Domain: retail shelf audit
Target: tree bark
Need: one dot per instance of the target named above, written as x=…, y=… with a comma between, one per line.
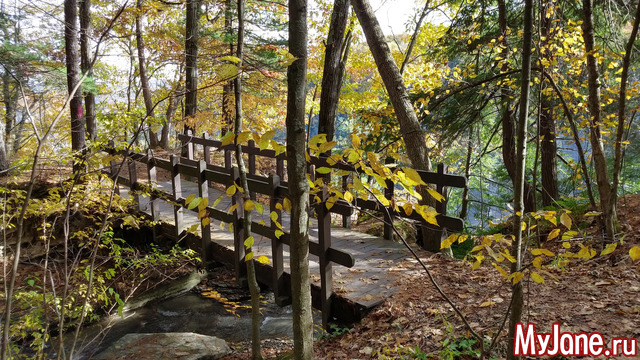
x=548, y=144
x=85, y=64
x=622, y=108
x=412, y=133
x=227, y=87
x=608, y=208
x=73, y=77
x=10, y=98
x=414, y=37
x=144, y=79
x=519, y=188
x=298, y=186
x=191, y=63
x=331, y=84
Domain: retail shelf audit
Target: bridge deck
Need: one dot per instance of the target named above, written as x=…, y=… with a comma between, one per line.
x=366, y=284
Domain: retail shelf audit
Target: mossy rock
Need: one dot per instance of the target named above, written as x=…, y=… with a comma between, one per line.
x=406, y=229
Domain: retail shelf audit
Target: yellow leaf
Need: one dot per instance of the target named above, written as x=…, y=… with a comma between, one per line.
x=264, y=139
x=413, y=176
x=249, y=205
x=233, y=59
x=506, y=254
x=569, y=235
x=227, y=139
x=634, y=253
x=408, y=208
x=203, y=204
x=478, y=261
x=320, y=138
x=487, y=303
x=553, y=234
x=355, y=141
x=206, y=221
x=286, y=203
x=249, y=256
x=233, y=207
x=500, y=270
x=278, y=233
x=249, y=242
x=263, y=259
x=537, y=278
x=348, y=197
x=189, y=199
x=608, y=249
x=243, y=137
x=593, y=213
x=436, y=195
x=259, y=207
x=566, y=245
x=546, y=252
x=462, y=239
x=227, y=71
x=448, y=241
x=326, y=146
x=323, y=170
x=565, y=220
x=537, y=262
x=516, y=277
x=231, y=190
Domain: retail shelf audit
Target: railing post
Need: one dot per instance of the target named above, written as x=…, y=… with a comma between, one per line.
x=238, y=228
x=280, y=167
x=441, y=206
x=326, y=268
x=206, y=149
x=227, y=159
x=388, y=219
x=176, y=187
x=133, y=181
x=154, y=203
x=190, y=146
x=203, y=192
x=280, y=292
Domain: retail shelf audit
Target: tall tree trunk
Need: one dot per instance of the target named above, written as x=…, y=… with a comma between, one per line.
x=144, y=79
x=227, y=87
x=174, y=100
x=73, y=77
x=10, y=98
x=521, y=151
x=608, y=208
x=191, y=63
x=467, y=174
x=548, y=145
x=412, y=133
x=254, y=288
x=85, y=64
x=331, y=75
x=622, y=109
x=508, y=136
x=298, y=186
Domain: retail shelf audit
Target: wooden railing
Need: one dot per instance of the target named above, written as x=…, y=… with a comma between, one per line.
x=275, y=189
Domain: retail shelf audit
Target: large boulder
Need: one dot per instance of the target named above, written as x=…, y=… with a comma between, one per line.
x=182, y=346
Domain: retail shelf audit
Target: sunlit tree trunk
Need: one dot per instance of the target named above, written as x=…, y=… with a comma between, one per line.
x=298, y=186
x=85, y=64
x=144, y=78
x=607, y=206
x=227, y=88
x=73, y=77
x=191, y=63
x=519, y=188
x=331, y=83
x=548, y=144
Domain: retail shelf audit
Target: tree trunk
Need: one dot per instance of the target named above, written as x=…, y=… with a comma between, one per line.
x=227, y=87
x=4, y=162
x=467, y=174
x=85, y=64
x=331, y=84
x=174, y=100
x=298, y=186
x=519, y=188
x=622, y=104
x=410, y=128
x=191, y=63
x=508, y=136
x=10, y=98
x=144, y=79
x=608, y=208
x=414, y=37
x=73, y=77
x=548, y=145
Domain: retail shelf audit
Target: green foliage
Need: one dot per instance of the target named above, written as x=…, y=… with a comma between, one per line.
x=335, y=330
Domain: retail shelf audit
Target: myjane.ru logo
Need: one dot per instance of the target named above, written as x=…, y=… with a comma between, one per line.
x=528, y=342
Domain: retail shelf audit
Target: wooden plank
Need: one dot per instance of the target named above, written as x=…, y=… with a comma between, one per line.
x=154, y=201
x=326, y=268
x=281, y=293
x=133, y=178
x=176, y=187
x=203, y=192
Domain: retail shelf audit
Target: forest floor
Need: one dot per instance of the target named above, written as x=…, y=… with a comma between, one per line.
x=599, y=295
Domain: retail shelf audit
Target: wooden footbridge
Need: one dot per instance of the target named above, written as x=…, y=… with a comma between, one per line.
x=363, y=278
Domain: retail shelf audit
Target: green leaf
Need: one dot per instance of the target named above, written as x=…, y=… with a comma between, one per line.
x=249, y=256
x=249, y=242
x=259, y=207
x=32, y=282
x=193, y=204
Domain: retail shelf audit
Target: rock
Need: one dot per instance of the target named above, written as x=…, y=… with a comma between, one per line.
x=182, y=346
